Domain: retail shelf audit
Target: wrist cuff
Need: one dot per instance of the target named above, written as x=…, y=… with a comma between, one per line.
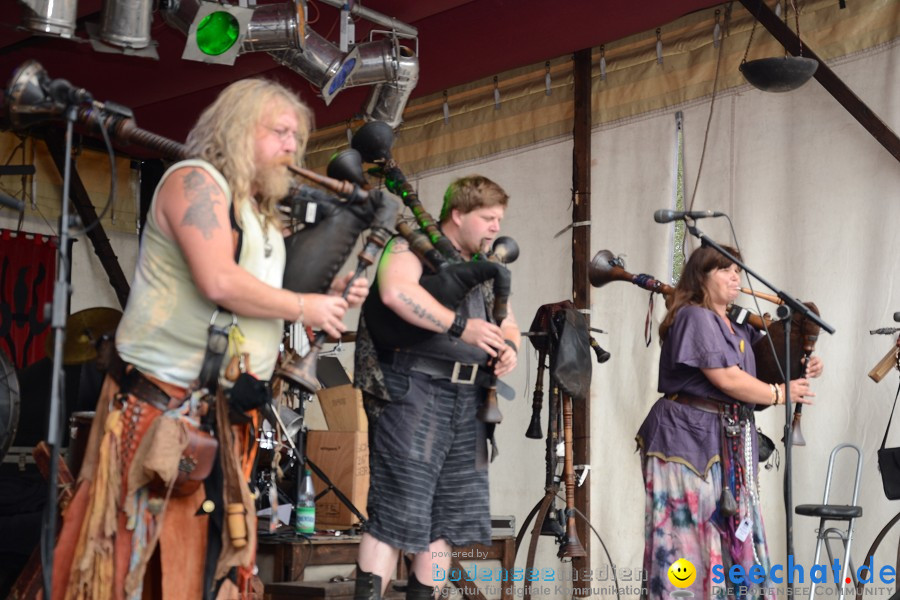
x=459, y=324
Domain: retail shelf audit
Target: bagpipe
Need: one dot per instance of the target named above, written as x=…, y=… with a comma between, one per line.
x=769, y=353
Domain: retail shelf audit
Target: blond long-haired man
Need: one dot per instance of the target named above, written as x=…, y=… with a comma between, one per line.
x=212, y=243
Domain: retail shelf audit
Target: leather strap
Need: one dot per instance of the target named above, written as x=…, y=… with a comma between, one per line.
x=704, y=404
x=135, y=383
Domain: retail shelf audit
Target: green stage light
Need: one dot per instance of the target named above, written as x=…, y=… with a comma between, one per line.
x=217, y=32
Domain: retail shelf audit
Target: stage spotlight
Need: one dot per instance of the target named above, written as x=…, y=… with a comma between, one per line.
x=276, y=27
x=51, y=17
x=216, y=33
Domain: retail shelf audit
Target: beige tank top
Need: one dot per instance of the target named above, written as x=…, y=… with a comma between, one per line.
x=164, y=329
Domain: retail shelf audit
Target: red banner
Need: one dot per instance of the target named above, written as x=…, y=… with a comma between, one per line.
x=27, y=274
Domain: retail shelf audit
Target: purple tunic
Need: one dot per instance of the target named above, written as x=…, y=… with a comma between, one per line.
x=698, y=339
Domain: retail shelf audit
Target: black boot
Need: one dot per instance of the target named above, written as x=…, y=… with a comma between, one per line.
x=418, y=591
x=368, y=585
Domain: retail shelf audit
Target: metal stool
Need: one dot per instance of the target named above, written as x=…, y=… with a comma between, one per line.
x=835, y=512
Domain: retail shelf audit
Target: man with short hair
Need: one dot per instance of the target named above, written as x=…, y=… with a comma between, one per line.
x=428, y=450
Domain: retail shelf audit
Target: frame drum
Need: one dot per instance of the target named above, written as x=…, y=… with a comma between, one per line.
x=9, y=404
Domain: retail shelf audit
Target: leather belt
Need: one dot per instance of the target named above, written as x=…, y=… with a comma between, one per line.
x=437, y=368
x=705, y=404
x=135, y=383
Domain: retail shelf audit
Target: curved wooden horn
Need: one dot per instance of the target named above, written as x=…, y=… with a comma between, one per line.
x=606, y=267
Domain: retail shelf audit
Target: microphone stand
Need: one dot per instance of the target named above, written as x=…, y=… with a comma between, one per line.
x=784, y=312
x=59, y=311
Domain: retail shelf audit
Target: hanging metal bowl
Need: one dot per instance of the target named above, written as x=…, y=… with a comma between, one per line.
x=781, y=74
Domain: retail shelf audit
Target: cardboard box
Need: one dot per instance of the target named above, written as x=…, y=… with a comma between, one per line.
x=343, y=457
x=343, y=408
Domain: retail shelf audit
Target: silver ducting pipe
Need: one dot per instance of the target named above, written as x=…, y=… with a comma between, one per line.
x=387, y=100
x=51, y=17
x=126, y=23
x=317, y=63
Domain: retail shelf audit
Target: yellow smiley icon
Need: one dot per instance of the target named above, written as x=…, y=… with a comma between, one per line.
x=682, y=573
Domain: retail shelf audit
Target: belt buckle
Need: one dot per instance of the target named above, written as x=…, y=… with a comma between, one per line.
x=455, y=378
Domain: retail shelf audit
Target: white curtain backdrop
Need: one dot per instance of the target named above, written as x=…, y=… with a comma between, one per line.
x=814, y=201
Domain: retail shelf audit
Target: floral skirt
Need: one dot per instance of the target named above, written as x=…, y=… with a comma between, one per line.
x=682, y=521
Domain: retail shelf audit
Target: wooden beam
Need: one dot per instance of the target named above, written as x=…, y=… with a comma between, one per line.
x=82, y=202
x=825, y=76
x=581, y=289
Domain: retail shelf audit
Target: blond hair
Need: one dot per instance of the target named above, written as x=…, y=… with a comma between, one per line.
x=469, y=193
x=224, y=134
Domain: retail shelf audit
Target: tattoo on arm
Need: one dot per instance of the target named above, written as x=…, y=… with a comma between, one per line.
x=399, y=246
x=200, y=195
x=420, y=312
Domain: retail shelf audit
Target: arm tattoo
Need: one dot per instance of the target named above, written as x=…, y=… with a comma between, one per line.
x=420, y=312
x=200, y=194
x=399, y=246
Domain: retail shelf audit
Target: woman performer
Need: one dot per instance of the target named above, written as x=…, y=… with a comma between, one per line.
x=698, y=443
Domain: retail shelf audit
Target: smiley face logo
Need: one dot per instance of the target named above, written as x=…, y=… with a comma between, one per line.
x=682, y=573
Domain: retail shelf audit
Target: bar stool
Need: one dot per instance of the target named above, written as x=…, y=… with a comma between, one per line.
x=835, y=512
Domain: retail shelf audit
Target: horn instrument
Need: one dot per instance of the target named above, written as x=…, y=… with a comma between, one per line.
x=891, y=360
x=534, y=427
x=606, y=267
x=505, y=250
x=571, y=546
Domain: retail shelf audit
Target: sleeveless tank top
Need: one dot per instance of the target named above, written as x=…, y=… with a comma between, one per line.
x=164, y=329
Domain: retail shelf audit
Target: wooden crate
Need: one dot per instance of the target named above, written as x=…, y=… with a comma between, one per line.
x=343, y=456
x=343, y=408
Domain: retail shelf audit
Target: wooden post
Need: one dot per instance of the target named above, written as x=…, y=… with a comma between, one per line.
x=581, y=290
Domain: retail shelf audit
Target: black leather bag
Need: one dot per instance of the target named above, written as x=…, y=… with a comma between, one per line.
x=570, y=365
x=765, y=445
x=889, y=462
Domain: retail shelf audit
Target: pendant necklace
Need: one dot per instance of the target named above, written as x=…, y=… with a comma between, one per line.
x=267, y=244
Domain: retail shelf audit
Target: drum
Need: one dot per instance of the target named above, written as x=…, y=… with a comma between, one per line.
x=9, y=404
x=79, y=432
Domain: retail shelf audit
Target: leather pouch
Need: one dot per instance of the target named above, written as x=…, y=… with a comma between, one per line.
x=194, y=463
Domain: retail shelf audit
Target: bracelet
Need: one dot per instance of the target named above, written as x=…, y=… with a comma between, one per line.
x=773, y=389
x=299, y=318
x=778, y=398
x=511, y=345
x=459, y=324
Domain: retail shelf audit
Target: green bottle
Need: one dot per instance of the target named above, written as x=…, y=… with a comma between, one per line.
x=305, y=522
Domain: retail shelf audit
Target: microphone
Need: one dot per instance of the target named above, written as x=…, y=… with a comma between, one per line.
x=664, y=215
x=10, y=202
x=65, y=93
